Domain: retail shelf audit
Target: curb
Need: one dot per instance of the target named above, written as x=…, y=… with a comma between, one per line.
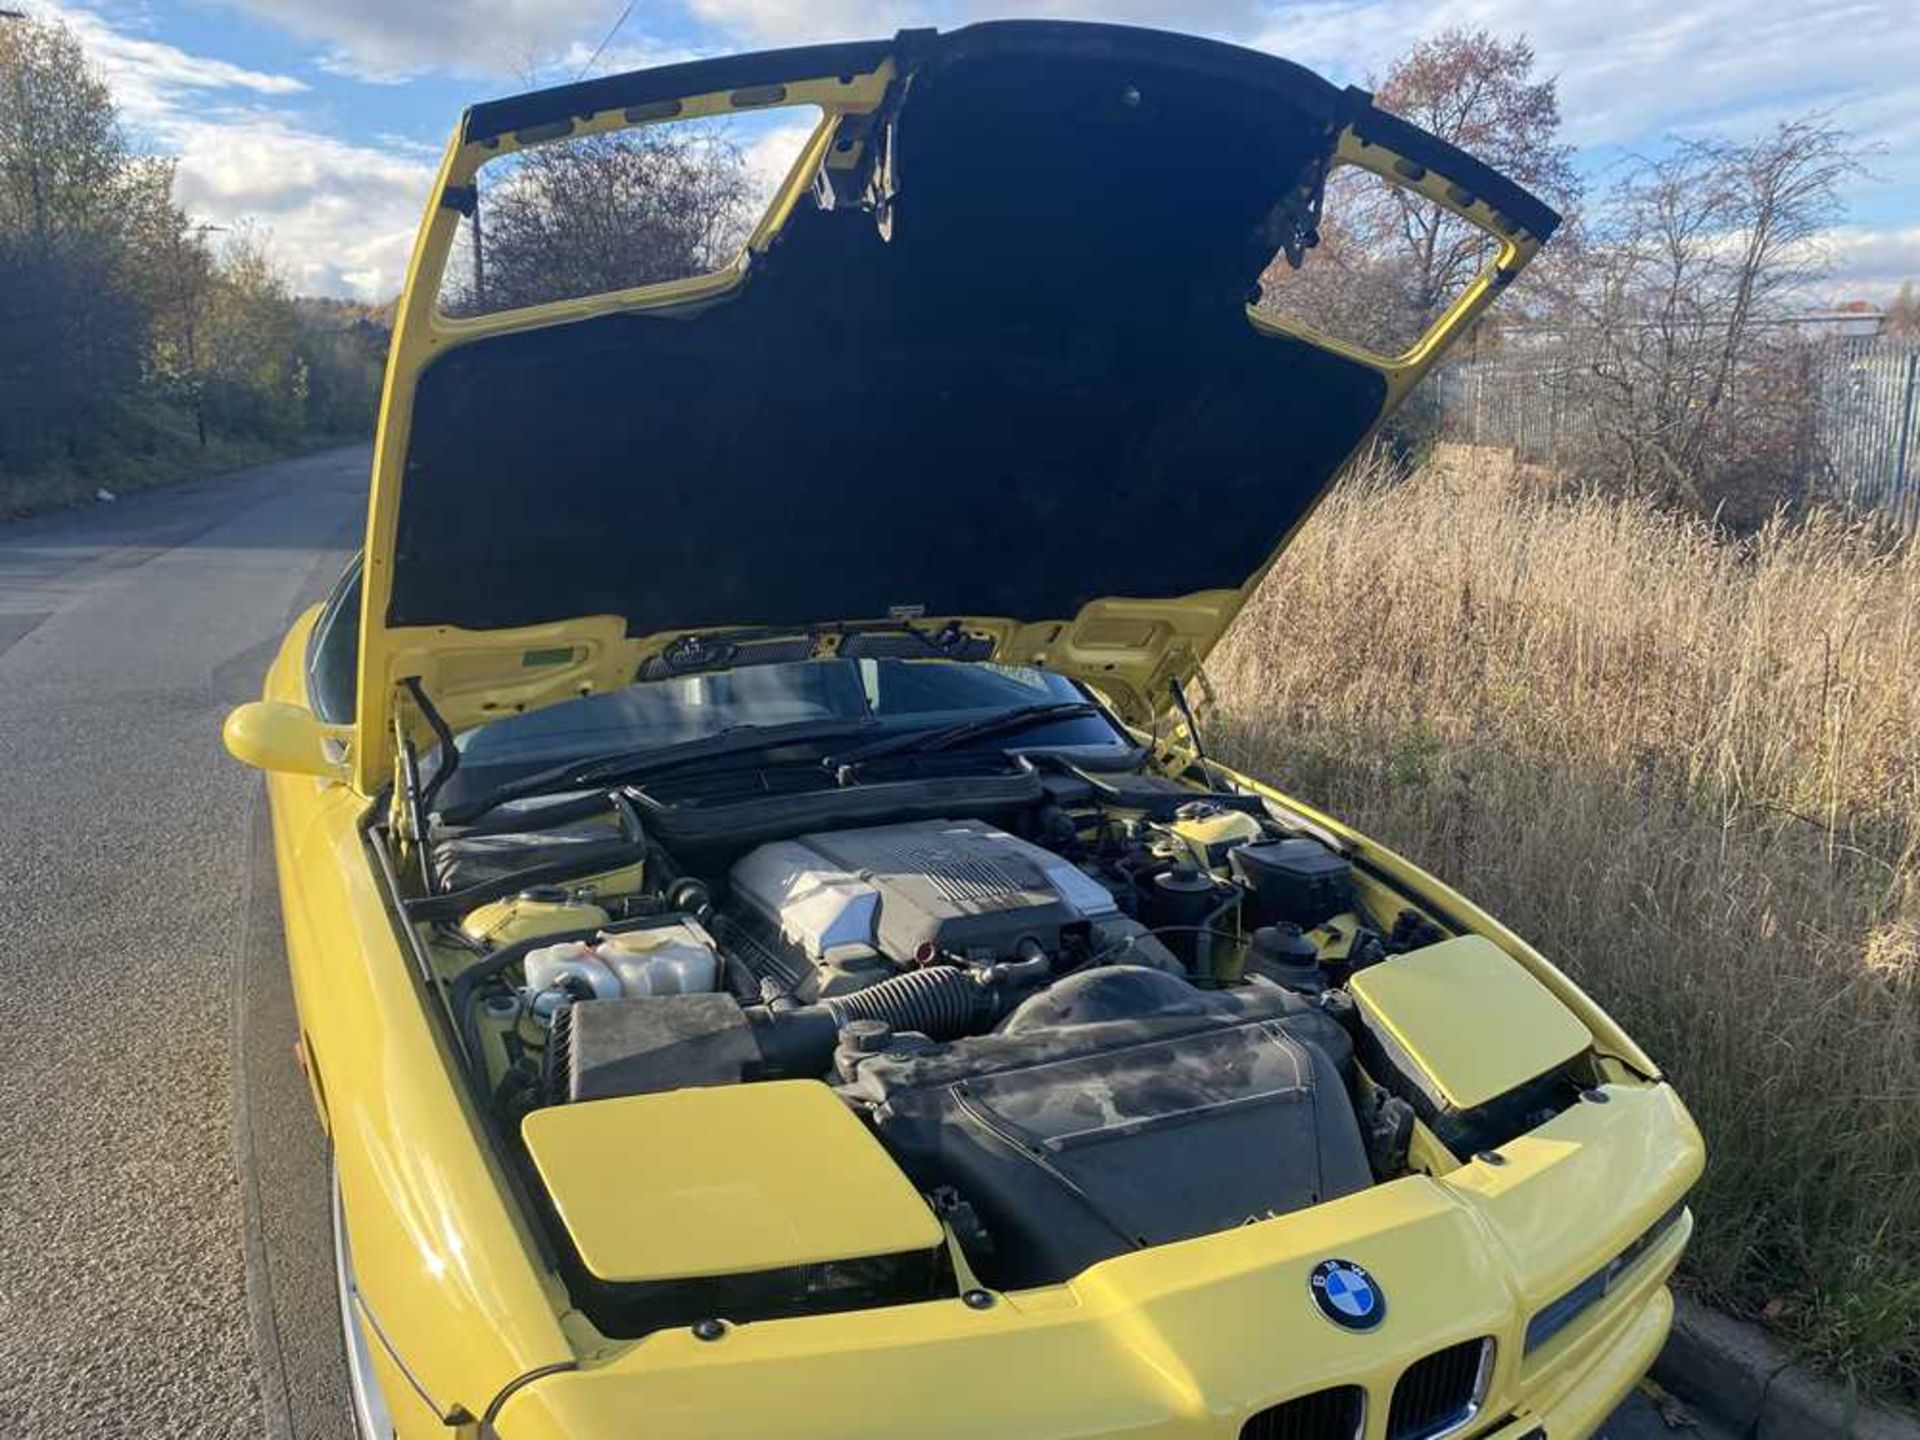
x=1737, y=1374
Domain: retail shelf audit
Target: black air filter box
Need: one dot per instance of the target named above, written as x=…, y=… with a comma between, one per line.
x=1298, y=880
x=660, y=1042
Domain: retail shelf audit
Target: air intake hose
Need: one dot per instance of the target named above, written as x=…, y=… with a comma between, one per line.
x=943, y=1003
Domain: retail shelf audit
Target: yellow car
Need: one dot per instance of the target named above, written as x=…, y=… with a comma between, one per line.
x=773, y=955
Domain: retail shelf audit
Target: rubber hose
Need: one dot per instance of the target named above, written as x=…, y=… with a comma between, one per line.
x=944, y=1003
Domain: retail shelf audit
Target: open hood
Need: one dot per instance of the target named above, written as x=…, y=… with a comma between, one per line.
x=985, y=381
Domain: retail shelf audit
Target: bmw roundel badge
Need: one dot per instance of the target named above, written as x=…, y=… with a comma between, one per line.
x=1347, y=1295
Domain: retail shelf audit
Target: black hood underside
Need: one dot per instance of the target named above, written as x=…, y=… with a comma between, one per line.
x=1036, y=386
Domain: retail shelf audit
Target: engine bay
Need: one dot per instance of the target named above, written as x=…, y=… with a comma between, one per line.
x=1080, y=1013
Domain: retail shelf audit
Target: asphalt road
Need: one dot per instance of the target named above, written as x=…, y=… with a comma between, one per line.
x=163, y=1260
x=126, y=631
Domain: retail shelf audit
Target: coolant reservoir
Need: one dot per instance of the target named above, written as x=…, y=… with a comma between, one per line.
x=571, y=961
x=673, y=958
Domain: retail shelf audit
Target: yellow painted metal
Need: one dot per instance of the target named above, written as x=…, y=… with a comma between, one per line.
x=444, y=1259
x=1470, y=1017
x=723, y=1181
x=1176, y=1341
x=1334, y=940
x=1516, y=250
x=1384, y=874
x=492, y=677
x=610, y=883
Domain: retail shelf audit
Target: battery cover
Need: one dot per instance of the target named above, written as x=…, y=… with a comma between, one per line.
x=1468, y=1019
x=723, y=1180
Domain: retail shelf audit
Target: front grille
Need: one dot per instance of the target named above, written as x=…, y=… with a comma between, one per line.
x=1439, y=1393
x=1324, y=1415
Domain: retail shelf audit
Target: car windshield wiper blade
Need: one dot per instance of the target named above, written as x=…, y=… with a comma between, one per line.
x=590, y=770
x=945, y=737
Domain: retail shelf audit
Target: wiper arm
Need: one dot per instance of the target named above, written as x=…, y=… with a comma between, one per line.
x=632, y=764
x=945, y=737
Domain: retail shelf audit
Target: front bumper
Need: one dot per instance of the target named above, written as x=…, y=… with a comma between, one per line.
x=1593, y=1391
x=1192, y=1340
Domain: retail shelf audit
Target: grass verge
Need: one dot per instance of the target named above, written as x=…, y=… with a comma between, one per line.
x=154, y=448
x=1689, y=771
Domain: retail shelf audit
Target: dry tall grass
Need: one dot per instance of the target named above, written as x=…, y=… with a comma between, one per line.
x=1687, y=770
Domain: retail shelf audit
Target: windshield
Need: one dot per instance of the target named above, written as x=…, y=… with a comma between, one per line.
x=895, y=695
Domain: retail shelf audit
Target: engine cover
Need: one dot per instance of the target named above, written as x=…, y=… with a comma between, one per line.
x=1121, y=1109
x=852, y=899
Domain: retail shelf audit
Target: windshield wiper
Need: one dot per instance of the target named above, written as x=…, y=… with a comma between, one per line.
x=945, y=737
x=583, y=773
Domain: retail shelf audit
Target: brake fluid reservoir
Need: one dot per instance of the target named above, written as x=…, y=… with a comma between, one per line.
x=673, y=958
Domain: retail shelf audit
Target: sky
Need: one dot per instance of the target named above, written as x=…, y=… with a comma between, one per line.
x=319, y=122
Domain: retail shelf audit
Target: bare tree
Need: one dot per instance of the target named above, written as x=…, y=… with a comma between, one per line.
x=1389, y=261
x=1692, y=379
x=1480, y=93
x=606, y=213
x=173, y=271
x=1903, y=315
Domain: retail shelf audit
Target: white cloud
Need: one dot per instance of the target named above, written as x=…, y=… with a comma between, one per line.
x=1871, y=264
x=1636, y=68
x=339, y=217
x=1629, y=70
x=149, y=78
x=801, y=22
x=579, y=60
x=384, y=41
x=770, y=156
x=342, y=214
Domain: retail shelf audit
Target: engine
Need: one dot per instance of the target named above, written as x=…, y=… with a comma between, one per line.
x=1128, y=1025
x=984, y=1000
x=837, y=911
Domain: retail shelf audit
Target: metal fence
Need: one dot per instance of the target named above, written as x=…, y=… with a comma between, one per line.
x=1523, y=404
x=1867, y=404
x=1870, y=424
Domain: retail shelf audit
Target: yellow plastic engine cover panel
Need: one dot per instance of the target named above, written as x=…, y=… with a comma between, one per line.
x=723, y=1180
x=1470, y=1016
